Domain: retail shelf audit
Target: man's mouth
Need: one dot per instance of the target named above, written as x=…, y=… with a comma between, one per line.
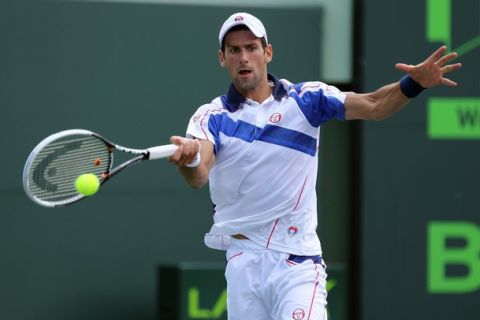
x=244, y=72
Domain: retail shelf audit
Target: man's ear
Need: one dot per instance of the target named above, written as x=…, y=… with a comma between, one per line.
x=221, y=58
x=268, y=53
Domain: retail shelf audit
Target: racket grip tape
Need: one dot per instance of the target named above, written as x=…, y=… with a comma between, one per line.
x=161, y=151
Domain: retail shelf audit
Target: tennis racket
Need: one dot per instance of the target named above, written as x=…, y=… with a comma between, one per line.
x=55, y=163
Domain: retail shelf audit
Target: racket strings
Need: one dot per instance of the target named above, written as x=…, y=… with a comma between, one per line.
x=54, y=170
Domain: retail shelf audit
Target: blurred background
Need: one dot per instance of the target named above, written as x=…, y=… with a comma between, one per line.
x=398, y=199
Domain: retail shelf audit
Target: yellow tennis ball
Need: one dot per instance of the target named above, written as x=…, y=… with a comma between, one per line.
x=87, y=184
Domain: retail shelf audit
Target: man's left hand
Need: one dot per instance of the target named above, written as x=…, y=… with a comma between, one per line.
x=430, y=72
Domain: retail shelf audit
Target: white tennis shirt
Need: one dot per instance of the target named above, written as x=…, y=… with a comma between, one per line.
x=263, y=179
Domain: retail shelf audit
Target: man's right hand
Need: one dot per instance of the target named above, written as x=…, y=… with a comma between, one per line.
x=186, y=152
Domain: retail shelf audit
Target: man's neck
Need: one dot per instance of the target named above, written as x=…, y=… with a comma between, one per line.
x=260, y=94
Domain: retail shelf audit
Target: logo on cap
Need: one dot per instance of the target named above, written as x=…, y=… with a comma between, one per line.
x=238, y=18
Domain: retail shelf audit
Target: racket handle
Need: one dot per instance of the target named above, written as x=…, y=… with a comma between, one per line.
x=161, y=151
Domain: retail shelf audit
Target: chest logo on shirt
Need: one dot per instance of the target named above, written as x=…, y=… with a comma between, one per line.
x=276, y=117
x=292, y=231
x=298, y=314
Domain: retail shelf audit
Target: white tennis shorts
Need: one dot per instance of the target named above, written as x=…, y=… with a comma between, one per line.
x=268, y=285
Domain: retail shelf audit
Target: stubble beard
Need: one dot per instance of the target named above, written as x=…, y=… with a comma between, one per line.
x=248, y=85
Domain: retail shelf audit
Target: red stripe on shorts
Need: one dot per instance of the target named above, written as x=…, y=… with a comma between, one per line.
x=234, y=256
x=314, y=293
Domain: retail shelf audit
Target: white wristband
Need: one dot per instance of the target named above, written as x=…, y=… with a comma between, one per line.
x=195, y=162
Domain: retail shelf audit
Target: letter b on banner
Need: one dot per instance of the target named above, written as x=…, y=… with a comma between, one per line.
x=441, y=255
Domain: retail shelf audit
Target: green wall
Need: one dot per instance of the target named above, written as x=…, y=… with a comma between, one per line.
x=134, y=73
x=420, y=213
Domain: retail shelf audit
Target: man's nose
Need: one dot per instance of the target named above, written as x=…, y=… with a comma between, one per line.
x=243, y=55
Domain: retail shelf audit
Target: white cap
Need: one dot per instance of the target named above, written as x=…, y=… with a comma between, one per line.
x=243, y=18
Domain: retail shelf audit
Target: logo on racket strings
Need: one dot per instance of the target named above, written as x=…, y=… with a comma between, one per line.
x=42, y=169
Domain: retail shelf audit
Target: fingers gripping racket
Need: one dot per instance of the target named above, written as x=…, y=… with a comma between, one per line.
x=54, y=164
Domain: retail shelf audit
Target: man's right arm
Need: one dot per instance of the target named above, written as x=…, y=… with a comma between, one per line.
x=196, y=176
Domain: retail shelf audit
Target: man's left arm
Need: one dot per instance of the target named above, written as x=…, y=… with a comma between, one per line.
x=389, y=99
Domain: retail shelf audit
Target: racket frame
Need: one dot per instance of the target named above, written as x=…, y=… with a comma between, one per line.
x=141, y=154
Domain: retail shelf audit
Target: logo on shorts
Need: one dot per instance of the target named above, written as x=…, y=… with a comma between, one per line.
x=292, y=231
x=298, y=314
x=276, y=117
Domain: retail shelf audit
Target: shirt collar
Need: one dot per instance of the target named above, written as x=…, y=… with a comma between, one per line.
x=233, y=99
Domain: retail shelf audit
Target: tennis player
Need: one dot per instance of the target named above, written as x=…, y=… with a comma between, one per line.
x=257, y=146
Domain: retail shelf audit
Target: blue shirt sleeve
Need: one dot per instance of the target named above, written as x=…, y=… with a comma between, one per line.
x=319, y=102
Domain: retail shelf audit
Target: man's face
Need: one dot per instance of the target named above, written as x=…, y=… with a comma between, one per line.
x=245, y=60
